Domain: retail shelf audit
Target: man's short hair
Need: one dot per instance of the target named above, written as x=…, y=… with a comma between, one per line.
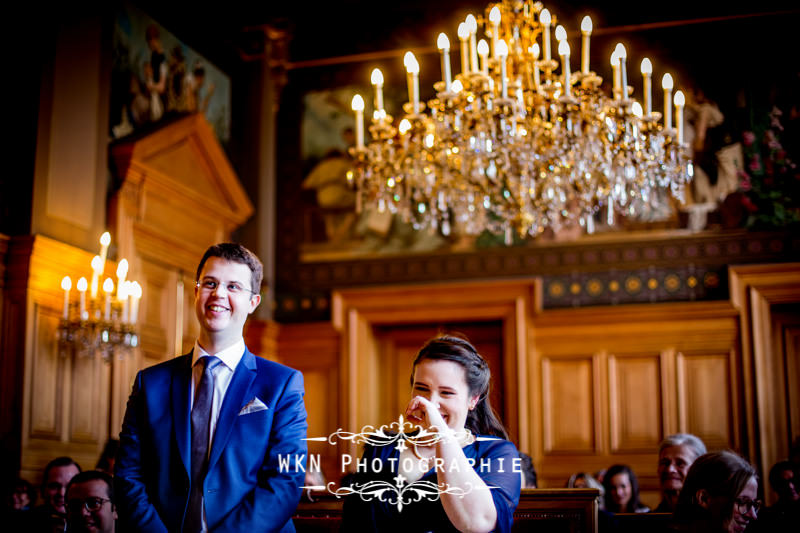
x=232, y=251
x=684, y=439
x=58, y=461
x=91, y=475
x=526, y=464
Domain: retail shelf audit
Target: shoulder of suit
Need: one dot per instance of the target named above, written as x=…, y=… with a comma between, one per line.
x=168, y=365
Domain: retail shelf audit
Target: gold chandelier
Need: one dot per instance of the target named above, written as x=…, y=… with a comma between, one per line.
x=517, y=142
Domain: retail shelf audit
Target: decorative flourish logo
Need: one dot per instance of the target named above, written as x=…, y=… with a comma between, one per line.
x=400, y=493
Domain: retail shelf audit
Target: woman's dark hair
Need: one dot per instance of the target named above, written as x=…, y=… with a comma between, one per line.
x=722, y=475
x=634, y=502
x=481, y=420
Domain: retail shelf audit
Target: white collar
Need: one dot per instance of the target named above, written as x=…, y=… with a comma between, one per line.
x=230, y=355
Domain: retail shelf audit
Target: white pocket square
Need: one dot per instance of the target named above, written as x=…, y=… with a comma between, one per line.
x=255, y=405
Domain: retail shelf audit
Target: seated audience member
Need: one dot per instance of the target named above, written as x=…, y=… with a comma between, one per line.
x=52, y=514
x=675, y=455
x=784, y=515
x=622, y=491
x=528, y=472
x=19, y=497
x=90, y=503
x=718, y=494
x=584, y=480
x=450, y=400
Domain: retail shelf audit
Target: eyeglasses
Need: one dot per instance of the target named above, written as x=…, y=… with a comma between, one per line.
x=208, y=285
x=743, y=505
x=90, y=504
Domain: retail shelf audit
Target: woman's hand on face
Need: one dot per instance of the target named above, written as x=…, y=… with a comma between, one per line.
x=425, y=413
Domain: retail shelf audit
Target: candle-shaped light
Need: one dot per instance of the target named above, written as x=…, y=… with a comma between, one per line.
x=97, y=269
x=586, y=32
x=561, y=34
x=666, y=84
x=472, y=27
x=680, y=101
x=463, y=36
x=358, y=106
x=502, y=53
x=494, y=19
x=122, y=273
x=534, y=50
x=444, y=46
x=483, y=52
x=457, y=86
x=108, y=288
x=615, y=73
x=412, y=67
x=647, y=77
x=123, y=295
x=563, y=51
x=545, y=19
x=105, y=240
x=82, y=286
x=404, y=126
x=136, y=294
x=636, y=109
x=377, y=80
x=66, y=284
x=622, y=55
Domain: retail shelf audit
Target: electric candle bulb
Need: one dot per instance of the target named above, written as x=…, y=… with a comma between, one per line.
x=463, y=36
x=563, y=51
x=443, y=44
x=502, y=53
x=108, y=288
x=623, y=72
x=66, y=284
x=586, y=31
x=97, y=270
x=667, y=84
x=412, y=67
x=82, y=286
x=472, y=27
x=136, y=294
x=615, y=72
x=636, y=109
x=358, y=106
x=545, y=19
x=105, y=240
x=404, y=126
x=457, y=86
x=494, y=18
x=647, y=71
x=377, y=80
x=561, y=33
x=534, y=50
x=483, y=52
x=680, y=101
x=122, y=272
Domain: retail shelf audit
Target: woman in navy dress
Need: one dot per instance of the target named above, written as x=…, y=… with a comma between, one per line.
x=463, y=454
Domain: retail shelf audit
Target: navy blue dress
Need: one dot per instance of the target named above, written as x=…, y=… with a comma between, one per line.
x=428, y=515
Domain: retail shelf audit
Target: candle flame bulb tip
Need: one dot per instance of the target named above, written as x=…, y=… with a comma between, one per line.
x=647, y=66
x=502, y=48
x=443, y=42
x=586, y=24
x=108, y=285
x=561, y=33
x=680, y=99
x=494, y=15
x=66, y=283
x=544, y=17
x=105, y=239
x=377, y=77
x=472, y=23
x=82, y=284
x=620, y=50
x=563, y=48
x=463, y=31
x=483, y=48
x=666, y=81
x=358, y=103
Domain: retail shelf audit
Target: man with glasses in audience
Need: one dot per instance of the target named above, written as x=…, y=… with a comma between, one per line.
x=214, y=440
x=90, y=503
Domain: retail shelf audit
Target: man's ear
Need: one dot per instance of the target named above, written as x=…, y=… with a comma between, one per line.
x=254, y=301
x=702, y=498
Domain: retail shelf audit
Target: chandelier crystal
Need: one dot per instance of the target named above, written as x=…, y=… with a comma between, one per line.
x=517, y=142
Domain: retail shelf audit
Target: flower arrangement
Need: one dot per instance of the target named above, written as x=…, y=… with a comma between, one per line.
x=770, y=181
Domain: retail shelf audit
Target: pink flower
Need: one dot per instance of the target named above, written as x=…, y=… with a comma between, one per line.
x=755, y=164
x=749, y=138
x=744, y=182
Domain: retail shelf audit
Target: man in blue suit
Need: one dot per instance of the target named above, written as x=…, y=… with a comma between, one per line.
x=213, y=440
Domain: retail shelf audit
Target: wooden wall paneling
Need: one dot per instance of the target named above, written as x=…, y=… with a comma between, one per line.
x=47, y=396
x=792, y=350
x=569, y=389
x=313, y=349
x=635, y=402
x=759, y=292
x=706, y=399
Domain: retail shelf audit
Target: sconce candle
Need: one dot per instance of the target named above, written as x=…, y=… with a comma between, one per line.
x=647, y=73
x=97, y=269
x=615, y=73
x=622, y=55
x=136, y=294
x=545, y=19
x=463, y=36
x=108, y=288
x=494, y=18
x=502, y=52
x=358, y=107
x=666, y=84
x=82, y=286
x=680, y=101
x=444, y=45
x=377, y=81
x=412, y=67
x=472, y=27
x=66, y=284
x=535, y=52
x=563, y=51
x=105, y=240
x=483, y=52
x=122, y=272
x=586, y=31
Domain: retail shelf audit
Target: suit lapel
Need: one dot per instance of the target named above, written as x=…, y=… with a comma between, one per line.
x=181, y=380
x=235, y=398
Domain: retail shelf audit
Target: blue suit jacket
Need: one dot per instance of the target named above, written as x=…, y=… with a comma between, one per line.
x=246, y=488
